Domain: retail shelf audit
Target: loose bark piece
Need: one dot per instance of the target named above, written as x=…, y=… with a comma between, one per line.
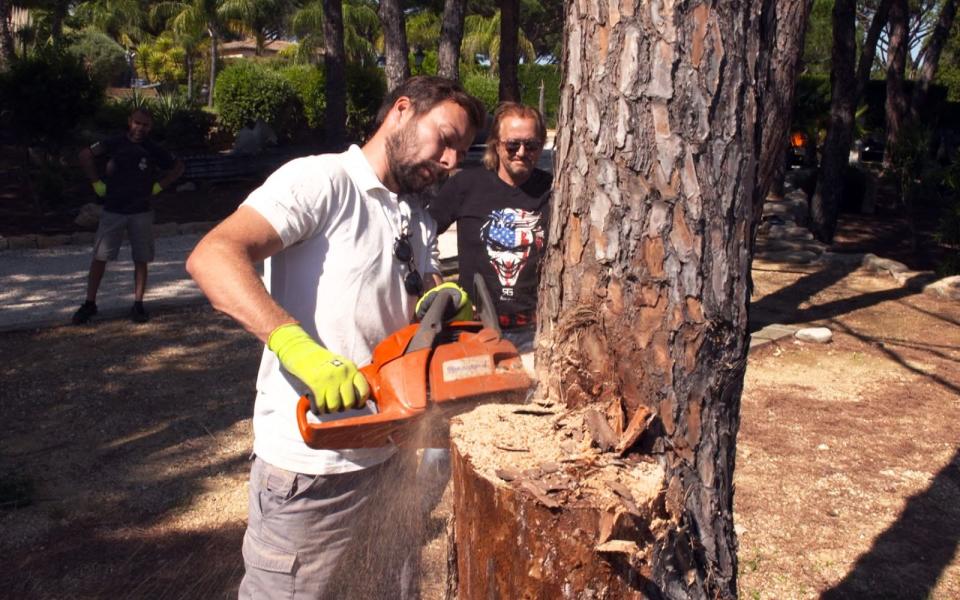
x=539, y=493
x=508, y=474
x=637, y=425
x=535, y=411
x=619, y=547
x=600, y=430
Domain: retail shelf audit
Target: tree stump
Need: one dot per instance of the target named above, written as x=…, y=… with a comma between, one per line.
x=543, y=513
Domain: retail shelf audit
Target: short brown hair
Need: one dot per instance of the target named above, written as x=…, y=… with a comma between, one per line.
x=491, y=160
x=427, y=91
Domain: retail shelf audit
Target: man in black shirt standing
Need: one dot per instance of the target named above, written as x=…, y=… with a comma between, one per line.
x=501, y=214
x=136, y=170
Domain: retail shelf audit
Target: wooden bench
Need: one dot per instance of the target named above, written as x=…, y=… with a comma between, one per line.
x=219, y=167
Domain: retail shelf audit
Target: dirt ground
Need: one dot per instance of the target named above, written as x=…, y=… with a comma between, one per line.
x=124, y=451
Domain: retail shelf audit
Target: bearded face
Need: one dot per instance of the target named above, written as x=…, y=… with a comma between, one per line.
x=410, y=174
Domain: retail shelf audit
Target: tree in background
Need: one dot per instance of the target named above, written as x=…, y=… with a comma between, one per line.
x=190, y=19
x=451, y=36
x=397, y=67
x=122, y=20
x=262, y=19
x=783, y=29
x=335, y=73
x=825, y=204
x=896, y=100
x=7, y=50
x=509, y=52
x=361, y=29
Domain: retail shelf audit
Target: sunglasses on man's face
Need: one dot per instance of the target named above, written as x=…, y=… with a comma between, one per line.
x=403, y=251
x=513, y=146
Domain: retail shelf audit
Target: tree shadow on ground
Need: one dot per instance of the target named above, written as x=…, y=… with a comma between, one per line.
x=783, y=306
x=124, y=430
x=908, y=558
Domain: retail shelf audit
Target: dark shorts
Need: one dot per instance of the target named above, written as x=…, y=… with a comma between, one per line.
x=138, y=228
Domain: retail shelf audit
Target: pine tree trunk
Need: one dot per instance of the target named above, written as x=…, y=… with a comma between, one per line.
x=335, y=69
x=931, y=58
x=394, y=43
x=7, y=51
x=869, y=50
x=642, y=323
x=896, y=105
x=782, y=32
x=825, y=205
x=451, y=36
x=509, y=55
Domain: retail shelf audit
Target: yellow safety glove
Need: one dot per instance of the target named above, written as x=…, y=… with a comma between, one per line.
x=334, y=380
x=99, y=188
x=157, y=188
x=462, y=309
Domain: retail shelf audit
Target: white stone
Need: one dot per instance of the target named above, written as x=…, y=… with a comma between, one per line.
x=948, y=287
x=819, y=335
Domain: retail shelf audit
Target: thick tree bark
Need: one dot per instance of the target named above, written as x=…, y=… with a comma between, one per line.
x=643, y=306
x=896, y=103
x=451, y=36
x=7, y=51
x=869, y=51
x=509, y=52
x=335, y=69
x=394, y=43
x=782, y=30
x=931, y=58
x=825, y=205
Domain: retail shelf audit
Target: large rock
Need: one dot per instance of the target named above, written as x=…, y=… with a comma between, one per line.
x=817, y=335
x=877, y=264
x=948, y=287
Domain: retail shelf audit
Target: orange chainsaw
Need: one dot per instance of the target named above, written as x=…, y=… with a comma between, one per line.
x=427, y=365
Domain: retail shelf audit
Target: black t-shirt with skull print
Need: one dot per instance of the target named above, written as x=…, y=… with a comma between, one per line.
x=501, y=232
x=131, y=170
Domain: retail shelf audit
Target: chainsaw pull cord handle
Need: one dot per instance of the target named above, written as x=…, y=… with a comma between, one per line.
x=484, y=304
x=432, y=322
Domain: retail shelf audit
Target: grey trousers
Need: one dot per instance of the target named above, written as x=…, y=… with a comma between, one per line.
x=352, y=535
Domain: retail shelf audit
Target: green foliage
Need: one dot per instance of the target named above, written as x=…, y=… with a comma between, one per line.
x=811, y=106
x=46, y=95
x=308, y=83
x=105, y=59
x=484, y=87
x=163, y=60
x=247, y=91
x=818, y=42
x=366, y=88
x=530, y=77
x=177, y=121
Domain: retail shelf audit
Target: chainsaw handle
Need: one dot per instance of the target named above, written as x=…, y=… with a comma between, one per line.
x=432, y=322
x=485, y=307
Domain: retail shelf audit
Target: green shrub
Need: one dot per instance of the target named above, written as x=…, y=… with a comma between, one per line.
x=530, y=77
x=484, y=87
x=366, y=88
x=46, y=95
x=308, y=84
x=247, y=91
x=105, y=59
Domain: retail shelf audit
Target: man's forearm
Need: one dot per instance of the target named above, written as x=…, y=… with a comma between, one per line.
x=86, y=163
x=172, y=175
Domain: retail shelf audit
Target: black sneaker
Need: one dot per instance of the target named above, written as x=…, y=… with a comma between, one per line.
x=138, y=314
x=83, y=314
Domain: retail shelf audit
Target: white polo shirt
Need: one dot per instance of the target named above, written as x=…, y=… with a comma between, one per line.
x=336, y=275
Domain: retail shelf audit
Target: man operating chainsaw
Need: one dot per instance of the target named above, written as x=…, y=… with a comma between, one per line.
x=345, y=258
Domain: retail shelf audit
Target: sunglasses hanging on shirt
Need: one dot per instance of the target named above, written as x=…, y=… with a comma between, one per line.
x=403, y=251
